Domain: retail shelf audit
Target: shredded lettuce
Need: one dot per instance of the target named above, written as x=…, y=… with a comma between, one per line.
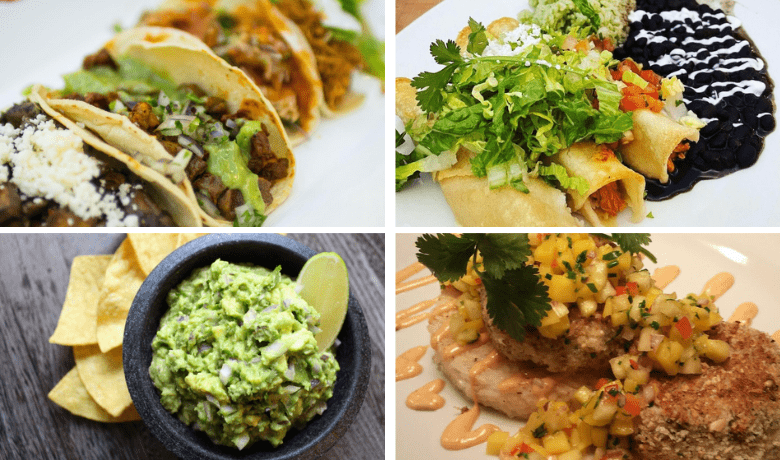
x=512, y=112
x=558, y=172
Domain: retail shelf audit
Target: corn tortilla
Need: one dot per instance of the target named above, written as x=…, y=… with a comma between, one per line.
x=71, y=394
x=151, y=248
x=78, y=321
x=103, y=377
x=123, y=279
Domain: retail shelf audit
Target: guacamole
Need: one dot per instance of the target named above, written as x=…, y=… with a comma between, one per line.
x=607, y=18
x=235, y=355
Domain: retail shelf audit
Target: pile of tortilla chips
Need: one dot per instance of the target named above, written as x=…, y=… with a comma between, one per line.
x=92, y=321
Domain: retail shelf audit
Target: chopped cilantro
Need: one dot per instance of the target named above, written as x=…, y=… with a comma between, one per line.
x=540, y=431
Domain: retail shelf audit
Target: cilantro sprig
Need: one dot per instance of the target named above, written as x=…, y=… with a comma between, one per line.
x=631, y=242
x=516, y=295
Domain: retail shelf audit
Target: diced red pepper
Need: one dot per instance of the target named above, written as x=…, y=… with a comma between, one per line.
x=620, y=290
x=632, y=288
x=633, y=405
x=634, y=364
x=684, y=328
x=522, y=449
x=602, y=381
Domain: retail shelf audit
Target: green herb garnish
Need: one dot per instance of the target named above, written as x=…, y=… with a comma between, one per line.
x=631, y=242
x=516, y=296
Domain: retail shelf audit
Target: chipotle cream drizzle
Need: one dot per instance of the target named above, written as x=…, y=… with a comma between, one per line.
x=456, y=348
x=414, y=284
x=439, y=334
x=665, y=275
x=745, y=312
x=404, y=273
x=718, y=285
x=427, y=397
x=406, y=365
x=413, y=315
x=459, y=434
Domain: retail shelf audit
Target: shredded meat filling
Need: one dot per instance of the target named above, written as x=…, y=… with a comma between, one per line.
x=679, y=152
x=198, y=20
x=336, y=59
x=609, y=199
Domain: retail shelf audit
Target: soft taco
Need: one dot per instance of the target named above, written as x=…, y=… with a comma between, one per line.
x=54, y=173
x=161, y=96
x=256, y=37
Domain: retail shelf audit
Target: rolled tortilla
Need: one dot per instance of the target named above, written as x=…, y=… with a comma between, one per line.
x=173, y=199
x=476, y=205
x=601, y=167
x=183, y=59
x=655, y=138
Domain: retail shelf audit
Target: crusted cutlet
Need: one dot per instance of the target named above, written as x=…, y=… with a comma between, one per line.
x=729, y=412
x=588, y=345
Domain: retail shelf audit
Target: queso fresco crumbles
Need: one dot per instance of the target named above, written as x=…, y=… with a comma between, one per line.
x=236, y=358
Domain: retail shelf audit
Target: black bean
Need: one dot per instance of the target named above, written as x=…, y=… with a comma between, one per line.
x=767, y=123
x=747, y=155
x=710, y=129
x=719, y=140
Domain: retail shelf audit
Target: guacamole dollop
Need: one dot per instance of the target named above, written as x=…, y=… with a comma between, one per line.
x=235, y=356
x=607, y=18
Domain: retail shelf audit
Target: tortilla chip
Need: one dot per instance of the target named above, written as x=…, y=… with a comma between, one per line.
x=78, y=320
x=123, y=279
x=151, y=248
x=71, y=394
x=103, y=377
x=185, y=238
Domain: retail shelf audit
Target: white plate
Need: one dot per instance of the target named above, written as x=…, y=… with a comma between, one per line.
x=339, y=172
x=745, y=198
x=753, y=259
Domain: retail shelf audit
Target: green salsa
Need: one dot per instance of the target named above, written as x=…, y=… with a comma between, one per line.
x=235, y=356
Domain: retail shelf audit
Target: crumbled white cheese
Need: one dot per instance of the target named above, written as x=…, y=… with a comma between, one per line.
x=511, y=43
x=49, y=162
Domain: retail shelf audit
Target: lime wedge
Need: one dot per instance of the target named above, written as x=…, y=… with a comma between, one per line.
x=324, y=284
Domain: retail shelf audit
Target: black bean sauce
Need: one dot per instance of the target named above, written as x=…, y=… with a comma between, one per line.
x=726, y=85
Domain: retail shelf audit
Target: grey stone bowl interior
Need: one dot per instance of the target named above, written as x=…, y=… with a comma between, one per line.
x=268, y=250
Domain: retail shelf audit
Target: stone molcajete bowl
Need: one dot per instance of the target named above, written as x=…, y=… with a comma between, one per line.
x=267, y=250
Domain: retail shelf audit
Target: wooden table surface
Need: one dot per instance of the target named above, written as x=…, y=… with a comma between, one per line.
x=34, y=270
x=407, y=11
